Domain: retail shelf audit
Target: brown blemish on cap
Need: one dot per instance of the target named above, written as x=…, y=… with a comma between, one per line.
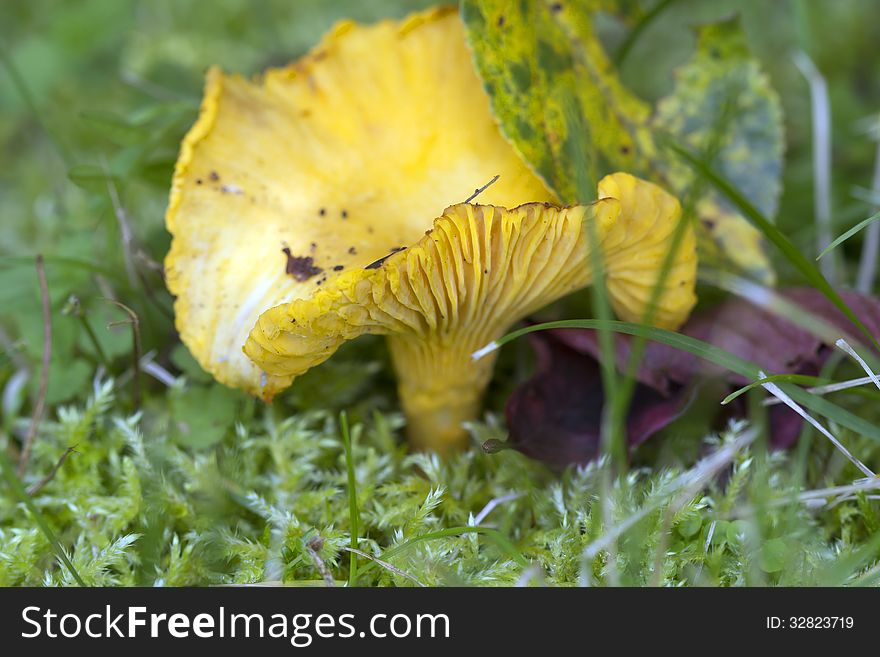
x=302, y=268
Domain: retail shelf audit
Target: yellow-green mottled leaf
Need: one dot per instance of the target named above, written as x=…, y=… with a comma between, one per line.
x=723, y=107
x=558, y=99
x=538, y=60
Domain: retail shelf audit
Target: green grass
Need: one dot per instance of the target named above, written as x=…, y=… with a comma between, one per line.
x=177, y=480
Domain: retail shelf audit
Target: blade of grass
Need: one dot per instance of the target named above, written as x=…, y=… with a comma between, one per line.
x=707, y=352
x=687, y=218
x=871, y=245
x=790, y=251
x=353, y=517
x=18, y=491
x=612, y=438
x=800, y=379
x=821, y=123
x=852, y=231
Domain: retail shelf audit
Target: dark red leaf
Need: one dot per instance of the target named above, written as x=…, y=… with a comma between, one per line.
x=556, y=415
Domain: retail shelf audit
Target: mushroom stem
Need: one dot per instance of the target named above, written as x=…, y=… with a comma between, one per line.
x=439, y=392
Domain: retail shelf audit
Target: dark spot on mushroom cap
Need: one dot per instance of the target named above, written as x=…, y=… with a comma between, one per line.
x=302, y=268
x=338, y=268
x=214, y=176
x=345, y=214
x=352, y=250
x=322, y=211
x=624, y=150
x=198, y=181
x=500, y=22
x=556, y=6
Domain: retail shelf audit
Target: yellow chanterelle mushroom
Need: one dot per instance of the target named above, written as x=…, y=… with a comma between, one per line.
x=301, y=216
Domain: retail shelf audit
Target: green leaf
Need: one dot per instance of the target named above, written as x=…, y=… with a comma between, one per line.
x=724, y=107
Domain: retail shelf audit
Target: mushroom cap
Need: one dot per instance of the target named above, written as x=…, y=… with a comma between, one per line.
x=286, y=184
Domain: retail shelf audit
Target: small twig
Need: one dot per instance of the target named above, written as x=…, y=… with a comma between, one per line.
x=480, y=190
x=134, y=321
x=74, y=307
x=312, y=547
x=40, y=404
x=37, y=487
x=383, y=564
